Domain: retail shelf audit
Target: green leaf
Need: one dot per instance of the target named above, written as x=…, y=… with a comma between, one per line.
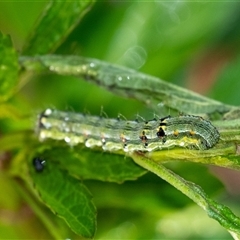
x=67, y=197
x=8, y=67
x=214, y=210
x=89, y=164
x=57, y=21
x=127, y=82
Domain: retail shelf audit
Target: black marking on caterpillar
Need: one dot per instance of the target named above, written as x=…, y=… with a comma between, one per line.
x=113, y=134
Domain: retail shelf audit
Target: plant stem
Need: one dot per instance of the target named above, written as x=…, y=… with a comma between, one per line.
x=214, y=210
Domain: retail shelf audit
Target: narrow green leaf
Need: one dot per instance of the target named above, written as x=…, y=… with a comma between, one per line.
x=89, y=164
x=57, y=21
x=8, y=67
x=214, y=210
x=127, y=82
x=67, y=197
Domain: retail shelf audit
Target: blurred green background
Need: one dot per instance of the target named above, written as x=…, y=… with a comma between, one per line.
x=192, y=44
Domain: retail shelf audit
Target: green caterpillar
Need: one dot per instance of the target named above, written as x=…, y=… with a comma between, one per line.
x=114, y=134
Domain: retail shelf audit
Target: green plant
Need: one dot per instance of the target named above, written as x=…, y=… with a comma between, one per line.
x=134, y=209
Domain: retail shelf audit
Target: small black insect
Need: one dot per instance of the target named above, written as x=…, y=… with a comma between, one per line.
x=39, y=164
